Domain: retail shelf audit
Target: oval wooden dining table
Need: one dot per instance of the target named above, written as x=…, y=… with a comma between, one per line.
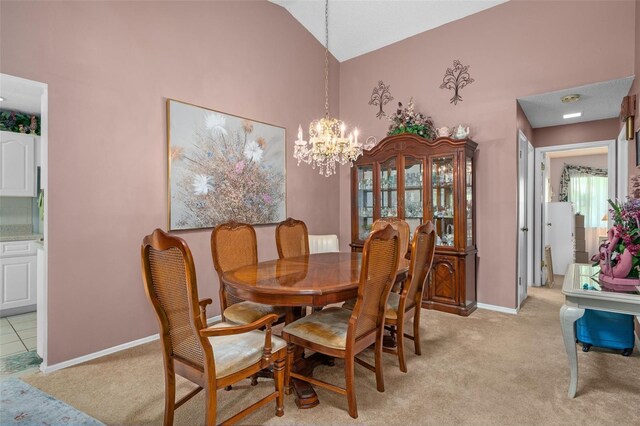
x=314, y=280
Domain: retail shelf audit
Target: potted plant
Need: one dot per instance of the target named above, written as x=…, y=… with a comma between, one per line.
x=619, y=256
x=406, y=120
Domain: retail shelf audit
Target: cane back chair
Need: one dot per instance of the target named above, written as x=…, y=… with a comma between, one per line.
x=234, y=245
x=399, y=225
x=342, y=333
x=213, y=357
x=292, y=238
x=406, y=304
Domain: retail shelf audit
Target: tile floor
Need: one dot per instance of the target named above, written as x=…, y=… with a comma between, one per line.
x=18, y=334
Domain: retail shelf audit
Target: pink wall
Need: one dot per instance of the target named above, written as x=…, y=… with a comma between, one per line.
x=557, y=165
x=516, y=49
x=588, y=131
x=109, y=67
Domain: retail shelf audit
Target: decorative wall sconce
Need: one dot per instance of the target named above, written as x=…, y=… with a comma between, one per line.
x=627, y=114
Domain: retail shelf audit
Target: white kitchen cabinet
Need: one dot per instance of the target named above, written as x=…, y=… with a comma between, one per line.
x=18, y=263
x=17, y=165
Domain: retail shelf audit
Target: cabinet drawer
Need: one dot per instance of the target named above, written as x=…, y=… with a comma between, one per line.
x=17, y=248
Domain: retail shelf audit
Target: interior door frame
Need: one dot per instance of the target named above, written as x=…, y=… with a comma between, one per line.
x=540, y=178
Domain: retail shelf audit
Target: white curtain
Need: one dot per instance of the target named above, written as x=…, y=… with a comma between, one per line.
x=589, y=195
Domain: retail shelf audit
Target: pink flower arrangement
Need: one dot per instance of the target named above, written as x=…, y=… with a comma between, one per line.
x=619, y=257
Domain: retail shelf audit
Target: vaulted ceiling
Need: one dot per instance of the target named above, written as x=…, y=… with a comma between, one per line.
x=360, y=26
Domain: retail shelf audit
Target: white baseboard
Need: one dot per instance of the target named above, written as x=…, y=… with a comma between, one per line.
x=512, y=311
x=75, y=361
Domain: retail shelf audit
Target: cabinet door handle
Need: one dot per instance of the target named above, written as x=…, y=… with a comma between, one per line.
x=524, y=229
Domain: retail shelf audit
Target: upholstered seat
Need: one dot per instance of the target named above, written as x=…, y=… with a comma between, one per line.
x=238, y=351
x=392, y=305
x=327, y=327
x=248, y=312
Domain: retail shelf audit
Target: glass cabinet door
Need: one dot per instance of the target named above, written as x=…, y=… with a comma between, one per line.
x=469, y=200
x=442, y=200
x=389, y=188
x=413, y=192
x=365, y=200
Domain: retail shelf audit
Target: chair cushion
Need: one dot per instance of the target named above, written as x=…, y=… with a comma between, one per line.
x=248, y=312
x=233, y=353
x=327, y=327
x=392, y=305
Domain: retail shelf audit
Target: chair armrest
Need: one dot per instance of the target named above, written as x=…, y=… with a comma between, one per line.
x=204, y=302
x=267, y=321
x=203, y=310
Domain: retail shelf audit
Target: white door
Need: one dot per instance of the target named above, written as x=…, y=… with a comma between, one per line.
x=560, y=235
x=523, y=222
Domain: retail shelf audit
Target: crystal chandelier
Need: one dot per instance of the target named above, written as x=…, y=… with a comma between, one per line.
x=327, y=143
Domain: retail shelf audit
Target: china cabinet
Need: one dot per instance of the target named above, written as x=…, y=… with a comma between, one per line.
x=418, y=180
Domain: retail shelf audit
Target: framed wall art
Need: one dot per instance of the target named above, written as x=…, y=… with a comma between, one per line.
x=222, y=167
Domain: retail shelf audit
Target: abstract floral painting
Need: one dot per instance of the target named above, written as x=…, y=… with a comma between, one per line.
x=222, y=168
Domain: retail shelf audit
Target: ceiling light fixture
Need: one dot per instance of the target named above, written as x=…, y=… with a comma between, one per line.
x=2, y=99
x=327, y=143
x=572, y=115
x=570, y=98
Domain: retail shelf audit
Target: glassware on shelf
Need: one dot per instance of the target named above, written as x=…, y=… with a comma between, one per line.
x=447, y=239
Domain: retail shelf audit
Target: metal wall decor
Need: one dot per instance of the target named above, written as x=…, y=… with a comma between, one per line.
x=455, y=79
x=380, y=97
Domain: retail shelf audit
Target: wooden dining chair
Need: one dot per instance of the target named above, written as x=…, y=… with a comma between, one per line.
x=213, y=357
x=292, y=238
x=234, y=245
x=407, y=304
x=399, y=225
x=342, y=333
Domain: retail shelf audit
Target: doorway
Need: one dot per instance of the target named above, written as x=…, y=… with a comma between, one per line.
x=24, y=216
x=573, y=184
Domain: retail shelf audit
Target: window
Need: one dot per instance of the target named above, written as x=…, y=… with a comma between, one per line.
x=589, y=196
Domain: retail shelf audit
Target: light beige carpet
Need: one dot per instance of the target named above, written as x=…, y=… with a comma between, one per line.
x=488, y=369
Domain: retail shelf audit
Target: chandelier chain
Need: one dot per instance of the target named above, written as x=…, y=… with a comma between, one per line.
x=326, y=59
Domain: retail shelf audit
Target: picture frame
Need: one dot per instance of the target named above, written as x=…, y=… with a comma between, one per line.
x=223, y=167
